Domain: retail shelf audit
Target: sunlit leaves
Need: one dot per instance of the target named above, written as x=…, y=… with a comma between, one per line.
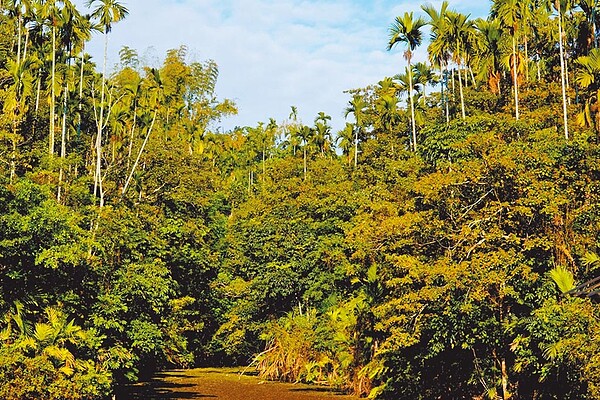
x=563, y=278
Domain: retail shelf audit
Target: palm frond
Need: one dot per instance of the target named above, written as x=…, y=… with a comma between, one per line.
x=563, y=278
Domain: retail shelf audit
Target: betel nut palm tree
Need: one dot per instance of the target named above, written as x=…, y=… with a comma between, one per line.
x=509, y=15
x=356, y=106
x=407, y=29
x=107, y=12
x=439, y=48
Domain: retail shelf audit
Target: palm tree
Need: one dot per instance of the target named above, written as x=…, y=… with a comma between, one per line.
x=489, y=52
x=108, y=12
x=322, y=135
x=407, y=30
x=267, y=139
x=51, y=14
x=509, y=14
x=387, y=109
x=459, y=32
x=526, y=12
x=424, y=75
x=18, y=9
x=588, y=78
x=356, y=106
x=71, y=34
x=346, y=138
x=386, y=104
x=403, y=83
x=306, y=136
x=85, y=26
x=293, y=127
x=439, y=48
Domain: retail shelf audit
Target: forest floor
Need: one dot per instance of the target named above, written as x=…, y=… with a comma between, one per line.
x=223, y=383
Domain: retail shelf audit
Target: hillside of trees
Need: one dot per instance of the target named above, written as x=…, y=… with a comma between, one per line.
x=433, y=248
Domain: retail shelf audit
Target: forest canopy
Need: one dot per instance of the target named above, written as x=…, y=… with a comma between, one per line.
x=441, y=245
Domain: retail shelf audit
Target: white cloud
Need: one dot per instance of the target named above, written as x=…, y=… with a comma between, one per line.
x=274, y=54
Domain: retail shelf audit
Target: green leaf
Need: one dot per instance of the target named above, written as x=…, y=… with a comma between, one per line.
x=563, y=278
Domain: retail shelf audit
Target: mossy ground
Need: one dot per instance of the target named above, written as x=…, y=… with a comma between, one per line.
x=223, y=383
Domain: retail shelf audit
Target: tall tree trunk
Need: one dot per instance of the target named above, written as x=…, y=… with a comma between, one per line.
x=515, y=76
x=305, y=161
x=505, y=393
x=453, y=84
x=445, y=82
x=526, y=59
x=52, y=94
x=63, y=142
x=355, y=146
x=19, y=38
x=412, y=106
x=98, y=189
x=460, y=86
x=79, y=106
x=562, y=70
x=595, y=34
x=38, y=93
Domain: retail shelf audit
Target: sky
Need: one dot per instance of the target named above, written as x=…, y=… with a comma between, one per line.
x=274, y=54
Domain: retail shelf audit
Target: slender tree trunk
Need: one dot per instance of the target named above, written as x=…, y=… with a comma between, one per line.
x=52, y=94
x=26, y=44
x=562, y=71
x=445, y=81
x=19, y=38
x=453, y=84
x=505, y=393
x=526, y=59
x=412, y=106
x=80, y=105
x=98, y=189
x=595, y=35
x=305, y=161
x=515, y=76
x=460, y=86
x=38, y=93
x=63, y=142
x=355, y=147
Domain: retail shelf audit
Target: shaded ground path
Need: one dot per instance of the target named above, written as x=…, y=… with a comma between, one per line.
x=226, y=384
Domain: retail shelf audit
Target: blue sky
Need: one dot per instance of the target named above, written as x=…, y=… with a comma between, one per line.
x=273, y=54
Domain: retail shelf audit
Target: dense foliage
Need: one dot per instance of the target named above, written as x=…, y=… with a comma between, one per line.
x=426, y=250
